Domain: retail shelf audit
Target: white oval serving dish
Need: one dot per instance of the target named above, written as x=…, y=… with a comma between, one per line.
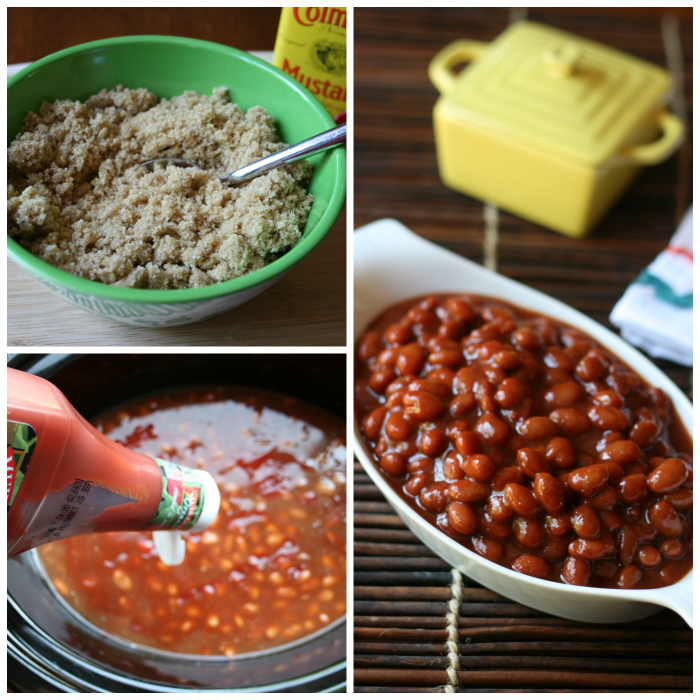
x=392, y=264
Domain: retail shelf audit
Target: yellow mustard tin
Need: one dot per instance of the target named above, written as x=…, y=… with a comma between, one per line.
x=547, y=125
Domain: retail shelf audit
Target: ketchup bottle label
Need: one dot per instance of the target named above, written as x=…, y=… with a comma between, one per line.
x=21, y=440
x=181, y=500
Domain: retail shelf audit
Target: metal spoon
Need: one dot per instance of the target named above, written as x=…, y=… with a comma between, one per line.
x=316, y=144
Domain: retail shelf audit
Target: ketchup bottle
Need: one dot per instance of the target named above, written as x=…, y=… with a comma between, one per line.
x=65, y=478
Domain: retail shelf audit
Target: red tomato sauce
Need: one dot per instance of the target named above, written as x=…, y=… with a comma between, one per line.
x=270, y=569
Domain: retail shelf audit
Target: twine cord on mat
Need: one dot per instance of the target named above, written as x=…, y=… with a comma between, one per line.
x=452, y=626
x=491, y=236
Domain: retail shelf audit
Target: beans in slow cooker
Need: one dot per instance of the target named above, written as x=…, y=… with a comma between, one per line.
x=527, y=442
x=270, y=570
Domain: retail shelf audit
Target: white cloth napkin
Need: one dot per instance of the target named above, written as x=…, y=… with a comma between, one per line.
x=656, y=311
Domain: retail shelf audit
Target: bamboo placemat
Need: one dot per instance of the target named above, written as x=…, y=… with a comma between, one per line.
x=406, y=641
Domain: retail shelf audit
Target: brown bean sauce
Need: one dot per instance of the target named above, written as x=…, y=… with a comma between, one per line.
x=269, y=570
x=527, y=442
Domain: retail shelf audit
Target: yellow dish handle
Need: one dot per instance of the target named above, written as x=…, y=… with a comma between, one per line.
x=460, y=51
x=672, y=132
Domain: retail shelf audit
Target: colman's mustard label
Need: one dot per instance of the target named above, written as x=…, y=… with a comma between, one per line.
x=311, y=47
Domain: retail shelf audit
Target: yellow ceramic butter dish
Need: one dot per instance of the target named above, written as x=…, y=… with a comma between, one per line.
x=547, y=125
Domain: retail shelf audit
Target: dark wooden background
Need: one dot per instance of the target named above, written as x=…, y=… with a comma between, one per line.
x=37, y=32
x=401, y=588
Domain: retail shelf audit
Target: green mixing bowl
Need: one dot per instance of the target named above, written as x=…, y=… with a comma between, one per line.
x=168, y=66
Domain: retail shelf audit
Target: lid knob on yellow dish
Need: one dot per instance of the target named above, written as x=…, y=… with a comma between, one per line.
x=561, y=61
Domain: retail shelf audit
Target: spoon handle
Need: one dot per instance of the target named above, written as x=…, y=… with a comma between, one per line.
x=316, y=144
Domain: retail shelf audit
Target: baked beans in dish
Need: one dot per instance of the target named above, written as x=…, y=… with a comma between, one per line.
x=271, y=568
x=527, y=442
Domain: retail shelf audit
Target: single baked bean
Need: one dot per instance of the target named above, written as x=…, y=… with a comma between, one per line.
x=672, y=548
x=588, y=480
x=560, y=452
x=615, y=471
x=530, y=565
x=527, y=338
x=462, y=404
x=507, y=360
x=570, y=420
x=410, y=359
x=446, y=358
x=395, y=399
x=441, y=343
x=549, y=493
x=444, y=375
x=433, y=442
x=434, y=497
x=608, y=397
x=505, y=476
x=421, y=464
x=522, y=500
x=456, y=426
x=397, y=427
x=423, y=405
x=682, y=499
x=393, y=464
x=386, y=359
x=492, y=527
x=555, y=550
x=479, y=467
x=432, y=386
x=492, y=429
x=648, y=556
x=623, y=452
x=608, y=418
x=468, y=491
x=529, y=369
x=510, y=392
x=563, y=395
x=636, y=468
x=467, y=442
x=611, y=519
x=417, y=483
x=557, y=358
x=460, y=309
x=576, y=572
x=484, y=396
x=628, y=576
x=452, y=466
x=664, y=517
x=498, y=509
x=633, y=489
x=398, y=334
x=593, y=365
x=454, y=330
x=465, y=379
x=627, y=543
x=554, y=376
x=370, y=346
x=531, y=462
x=529, y=532
x=585, y=522
x=607, y=498
x=644, y=432
x=537, y=428
x=372, y=424
x=488, y=548
x=379, y=380
x=590, y=550
x=558, y=525
x=668, y=476
x=462, y=518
